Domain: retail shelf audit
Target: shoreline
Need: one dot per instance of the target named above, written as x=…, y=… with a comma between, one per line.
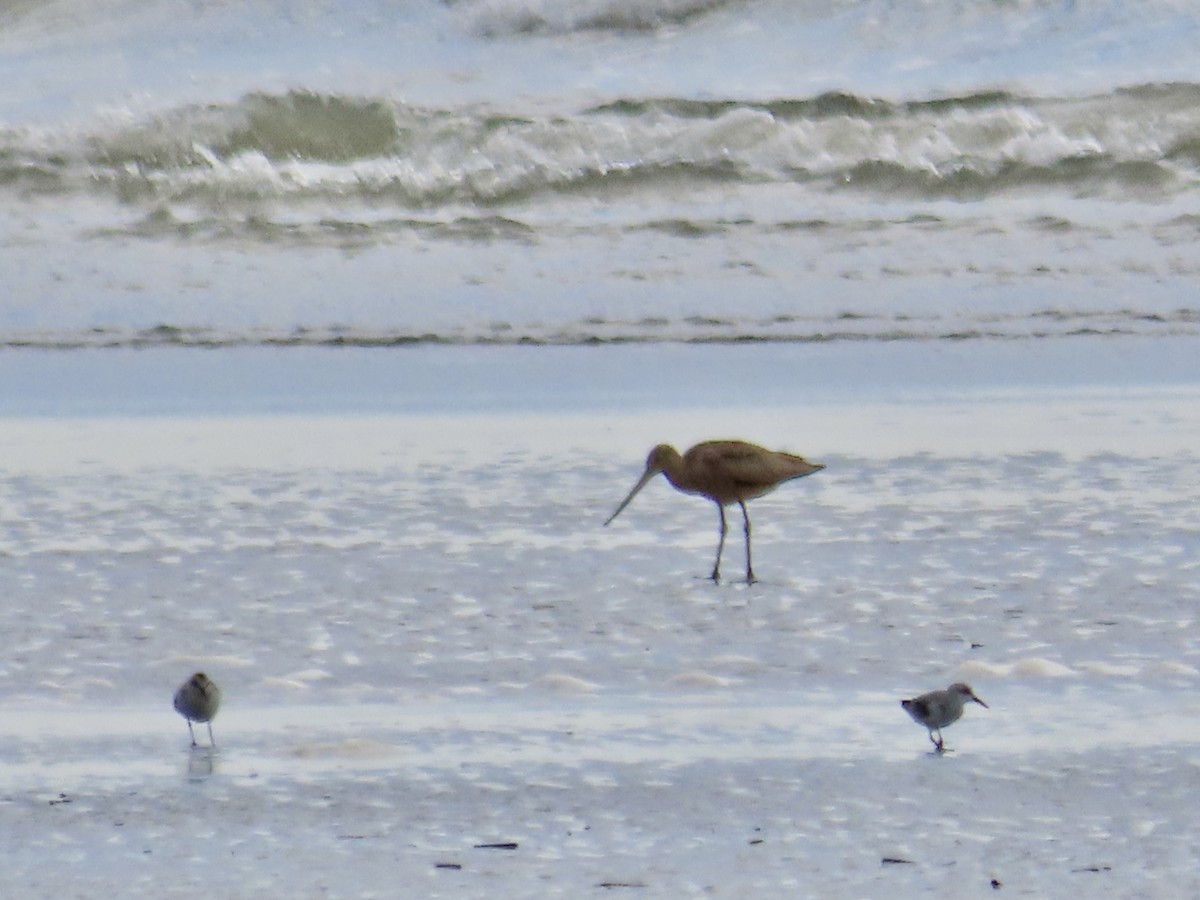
x=453, y=379
x=1072, y=423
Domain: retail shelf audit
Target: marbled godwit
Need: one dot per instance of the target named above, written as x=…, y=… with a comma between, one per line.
x=197, y=700
x=937, y=709
x=726, y=472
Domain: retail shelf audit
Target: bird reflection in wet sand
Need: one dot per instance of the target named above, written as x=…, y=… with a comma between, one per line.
x=201, y=763
x=726, y=472
x=198, y=700
x=937, y=709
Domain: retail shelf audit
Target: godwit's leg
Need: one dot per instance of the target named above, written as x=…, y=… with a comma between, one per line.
x=750, y=579
x=716, y=572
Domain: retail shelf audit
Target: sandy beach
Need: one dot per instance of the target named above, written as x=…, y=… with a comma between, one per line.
x=444, y=677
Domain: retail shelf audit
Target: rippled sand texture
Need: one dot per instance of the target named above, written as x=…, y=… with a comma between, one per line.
x=424, y=650
x=497, y=577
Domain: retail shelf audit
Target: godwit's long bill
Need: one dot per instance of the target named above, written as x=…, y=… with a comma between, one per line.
x=726, y=472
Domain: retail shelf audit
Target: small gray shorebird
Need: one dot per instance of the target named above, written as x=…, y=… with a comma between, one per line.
x=726, y=472
x=937, y=709
x=198, y=700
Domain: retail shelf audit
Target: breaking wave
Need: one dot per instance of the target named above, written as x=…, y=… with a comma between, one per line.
x=300, y=147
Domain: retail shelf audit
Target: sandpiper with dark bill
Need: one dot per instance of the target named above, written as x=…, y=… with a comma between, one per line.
x=197, y=700
x=937, y=709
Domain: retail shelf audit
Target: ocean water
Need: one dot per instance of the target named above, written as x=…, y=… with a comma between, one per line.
x=596, y=170
x=331, y=333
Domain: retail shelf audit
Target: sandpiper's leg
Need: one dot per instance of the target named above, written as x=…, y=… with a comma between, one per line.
x=716, y=572
x=750, y=579
x=211, y=742
x=190, y=732
x=940, y=744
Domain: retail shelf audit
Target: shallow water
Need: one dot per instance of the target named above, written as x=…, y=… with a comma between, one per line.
x=427, y=641
x=835, y=795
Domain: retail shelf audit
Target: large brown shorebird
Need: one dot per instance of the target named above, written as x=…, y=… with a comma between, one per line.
x=726, y=472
